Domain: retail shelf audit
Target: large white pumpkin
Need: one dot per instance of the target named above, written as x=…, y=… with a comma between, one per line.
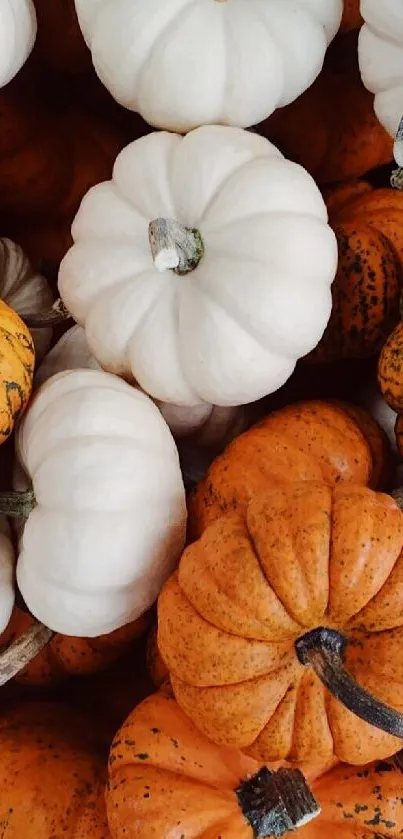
x=185, y=63
x=26, y=291
x=380, y=50
x=110, y=516
x=203, y=269
x=17, y=36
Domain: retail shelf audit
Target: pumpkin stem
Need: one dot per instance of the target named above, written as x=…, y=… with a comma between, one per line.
x=174, y=246
x=53, y=317
x=396, y=178
x=275, y=802
x=23, y=650
x=323, y=650
x=17, y=504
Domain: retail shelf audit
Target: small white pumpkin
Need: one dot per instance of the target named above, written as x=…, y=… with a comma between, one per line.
x=26, y=291
x=7, y=565
x=108, y=518
x=380, y=52
x=202, y=270
x=185, y=63
x=17, y=36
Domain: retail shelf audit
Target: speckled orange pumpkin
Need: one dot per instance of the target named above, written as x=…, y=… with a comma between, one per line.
x=332, y=129
x=167, y=780
x=52, y=774
x=17, y=362
x=390, y=369
x=311, y=440
x=247, y=624
x=366, y=291
x=69, y=656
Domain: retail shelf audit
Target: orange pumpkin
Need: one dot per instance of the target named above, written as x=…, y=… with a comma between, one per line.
x=167, y=780
x=390, y=369
x=67, y=656
x=366, y=291
x=332, y=129
x=52, y=774
x=311, y=440
x=17, y=362
x=254, y=625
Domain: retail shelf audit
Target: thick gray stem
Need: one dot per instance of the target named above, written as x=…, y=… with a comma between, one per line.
x=173, y=246
x=23, y=650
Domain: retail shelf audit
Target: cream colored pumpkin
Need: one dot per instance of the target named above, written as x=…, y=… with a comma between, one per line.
x=110, y=516
x=17, y=36
x=380, y=51
x=26, y=291
x=202, y=270
x=185, y=63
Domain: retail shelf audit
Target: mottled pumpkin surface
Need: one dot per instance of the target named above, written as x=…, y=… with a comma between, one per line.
x=168, y=781
x=358, y=803
x=69, y=656
x=390, y=369
x=302, y=556
x=311, y=440
x=17, y=362
x=52, y=775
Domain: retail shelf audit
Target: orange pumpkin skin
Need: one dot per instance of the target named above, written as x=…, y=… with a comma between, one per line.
x=390, y=369
x=66, y=656
x=167, y=780
x=332, y=129
x=17, y=363
x=311, y=440
x=366, y=291
x=358, y=803
x=303, y=556
x=52, y=774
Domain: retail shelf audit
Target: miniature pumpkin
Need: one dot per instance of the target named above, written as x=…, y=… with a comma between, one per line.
x=140, y=53
x=310, y=440
x=52, y=774
x=332, y=129
x=166, y=780
x=17, y=36
x=106, y=515
x=380, y=51
x=366, y=291
x=256, y=622
x=26, y=291
x=390, y=369
x=17, y=362
x=229, y=218
x=64, y=655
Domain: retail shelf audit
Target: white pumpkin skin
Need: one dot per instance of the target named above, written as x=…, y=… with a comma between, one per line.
x=231, y=330
x=24, y=290
x=7, y=564
x=110, y=520
x=380, y=52
x=182, y=63
x=17, y=36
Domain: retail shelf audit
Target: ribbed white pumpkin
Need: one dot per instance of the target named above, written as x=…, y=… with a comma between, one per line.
x=7, y=563
x=17, y=36
x=380, y=51
x=185, y=63
x=231, y=329
x=24, y=290
x=110, y=519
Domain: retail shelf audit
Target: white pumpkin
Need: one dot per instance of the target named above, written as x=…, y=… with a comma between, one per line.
x=110, y=516
x=24, y=290
x=17, y=36
x=7, y=564
x=380, y=51
x=215, y=424
x=185, y=63
x=202, y=270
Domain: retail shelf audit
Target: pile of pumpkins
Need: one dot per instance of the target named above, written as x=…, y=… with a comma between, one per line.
x=201, y=404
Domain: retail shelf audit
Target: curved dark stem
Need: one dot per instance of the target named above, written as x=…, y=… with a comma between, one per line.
x=275, y=802
x=323, y=649
x=53, y=317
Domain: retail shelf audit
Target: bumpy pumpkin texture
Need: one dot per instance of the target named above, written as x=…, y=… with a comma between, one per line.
x=310, y=440
x=390, y=369
x=303, y=556
x=17, y=362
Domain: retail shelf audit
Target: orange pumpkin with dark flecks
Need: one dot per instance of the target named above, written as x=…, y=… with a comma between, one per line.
x=66, y=656
x=390, y=370
x=332, y=129
x=310, y=440
x=265, y=607
x=368, y=224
